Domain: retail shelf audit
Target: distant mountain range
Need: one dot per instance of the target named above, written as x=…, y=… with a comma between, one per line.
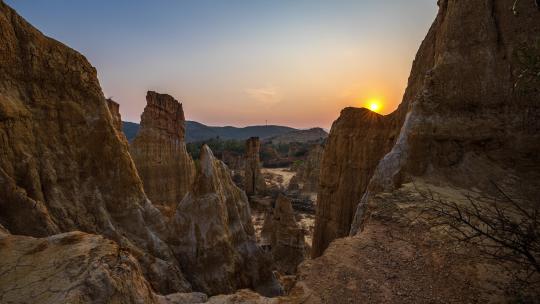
x=303, y=136
x=196, y=131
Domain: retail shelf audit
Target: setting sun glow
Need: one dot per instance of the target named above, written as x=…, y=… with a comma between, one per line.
x=374, y=105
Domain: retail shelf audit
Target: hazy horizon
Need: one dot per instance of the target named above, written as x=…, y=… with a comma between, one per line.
x=243, y=63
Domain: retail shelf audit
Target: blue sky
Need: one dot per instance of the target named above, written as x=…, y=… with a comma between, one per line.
x=243, y=62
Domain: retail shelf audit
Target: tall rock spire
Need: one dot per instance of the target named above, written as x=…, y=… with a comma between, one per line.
x=160, y=154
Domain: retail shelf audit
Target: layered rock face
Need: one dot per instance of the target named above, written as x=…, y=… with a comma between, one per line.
x=285, y=238
x=72, y=267
x=456, y=104
x=114, y=109
x=309, y=172
x=469, y=119
x=472, y=102
x=357, y=141
x=76, y=267
x=254, y=182
x=62, y=165
x=160, y=154
x=213, y=236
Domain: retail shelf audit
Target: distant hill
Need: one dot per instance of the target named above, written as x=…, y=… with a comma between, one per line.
x=196, y=131
x=130, y=129
x=299, y=136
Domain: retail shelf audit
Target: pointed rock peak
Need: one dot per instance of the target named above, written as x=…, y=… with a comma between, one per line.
x=254, y=181
x=211, y=174
x=160, y=153
x=207, y=161
x=283, y=207
x=114, y=109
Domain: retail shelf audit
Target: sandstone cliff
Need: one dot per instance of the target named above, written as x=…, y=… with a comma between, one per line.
x=285, y=238
x=469, y=120
x=253, y=180
x=213, y=236
x=473, y=111
x=308, y=173
x=114, y=109
x=357, y=141
x=62, y=165
x=160, y=154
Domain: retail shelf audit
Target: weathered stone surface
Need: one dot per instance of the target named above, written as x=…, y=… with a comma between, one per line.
x=160, y=154
x=455, y=104
x=114, y=109
x=72, y=267
x=284, y=236
x=470, y=117
x=357, y=141
x=244, y=296
x=254, y=182
x=472, y=103
x=62, y=165
x=308, y=173
x=213, y=236
x=294, y=183
x=233, y=160
x=183, y=298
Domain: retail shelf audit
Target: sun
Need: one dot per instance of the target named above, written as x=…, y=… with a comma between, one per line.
x=374, y=105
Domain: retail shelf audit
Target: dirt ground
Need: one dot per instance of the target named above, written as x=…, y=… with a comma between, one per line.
x=280, y=176
x=400, y=258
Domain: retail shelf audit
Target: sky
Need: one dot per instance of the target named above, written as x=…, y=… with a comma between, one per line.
x=244, y=62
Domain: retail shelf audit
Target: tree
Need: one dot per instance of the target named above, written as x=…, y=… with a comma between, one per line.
x=502, y=228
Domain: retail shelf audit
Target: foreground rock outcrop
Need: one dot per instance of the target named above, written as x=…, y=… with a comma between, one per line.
x=283, y=236
x=159, y=152
x=62, y=165
x=253, y=179
x=72, y=267
x=76, y=267
x=213, y=236
x=466, y=131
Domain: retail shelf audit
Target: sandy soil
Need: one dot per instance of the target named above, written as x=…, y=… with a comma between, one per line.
x=401, y=258
x=285, y=173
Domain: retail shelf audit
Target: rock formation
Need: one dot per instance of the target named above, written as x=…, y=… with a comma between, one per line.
x=72, y=267
x=470, y=102
x=213, y=236
x=285, y=238
x=76, y=267
x=114, y=109
x=62, y=165
x=254, y=182
x=469, y=120
x=357, y=141
x=233, y=160
x=309, y=171
x=160, y=154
